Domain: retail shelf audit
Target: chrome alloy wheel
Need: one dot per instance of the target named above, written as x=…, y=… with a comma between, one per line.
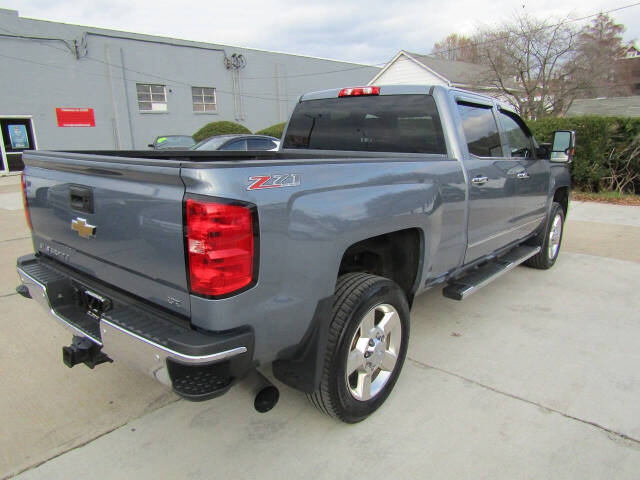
x=555, y=234
x=373, y=352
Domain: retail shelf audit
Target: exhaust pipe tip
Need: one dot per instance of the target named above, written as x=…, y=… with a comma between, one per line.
x=265, y=394
x=266, y=399
x=23, y=290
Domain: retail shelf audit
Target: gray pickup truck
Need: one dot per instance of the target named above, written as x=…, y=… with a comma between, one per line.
x=199, y=267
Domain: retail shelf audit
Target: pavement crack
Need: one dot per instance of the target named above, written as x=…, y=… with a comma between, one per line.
x=86, y=441
x=15, y=239
x=612, y=433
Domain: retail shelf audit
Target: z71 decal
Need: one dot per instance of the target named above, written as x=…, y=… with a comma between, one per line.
x=260, y=182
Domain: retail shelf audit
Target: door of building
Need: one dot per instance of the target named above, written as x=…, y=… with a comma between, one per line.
x=16, y=135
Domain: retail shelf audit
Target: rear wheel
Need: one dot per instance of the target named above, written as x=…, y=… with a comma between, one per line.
x=366, y=347
x=550, y=241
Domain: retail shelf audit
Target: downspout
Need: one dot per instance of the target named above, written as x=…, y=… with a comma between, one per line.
x=116, y=123
x=126, y=97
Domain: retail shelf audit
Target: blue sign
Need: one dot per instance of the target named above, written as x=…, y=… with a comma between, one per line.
x=18, y=136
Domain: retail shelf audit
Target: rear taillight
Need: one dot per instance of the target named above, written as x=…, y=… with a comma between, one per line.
x=24, y=201
x=359, y=91
x=221, y=248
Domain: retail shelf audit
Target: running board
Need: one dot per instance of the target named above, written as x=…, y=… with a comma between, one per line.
x=469, y=284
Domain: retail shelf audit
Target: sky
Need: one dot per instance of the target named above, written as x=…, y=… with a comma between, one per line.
x=368, y=31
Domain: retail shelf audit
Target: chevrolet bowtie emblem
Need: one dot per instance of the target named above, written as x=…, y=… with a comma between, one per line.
x=81, y=226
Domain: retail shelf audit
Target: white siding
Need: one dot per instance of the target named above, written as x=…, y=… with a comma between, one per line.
x=406, y=71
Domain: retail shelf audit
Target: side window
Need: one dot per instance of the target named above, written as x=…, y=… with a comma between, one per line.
x=260, y=144
x=519, y=140
x=481, y=130
x=235, y=146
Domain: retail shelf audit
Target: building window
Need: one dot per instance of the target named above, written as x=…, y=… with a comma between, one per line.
x=151, y=98
x=204, y=99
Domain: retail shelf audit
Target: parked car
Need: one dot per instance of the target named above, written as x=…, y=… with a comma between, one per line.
x=308, y=258
x=238, y=143
x=172, y=142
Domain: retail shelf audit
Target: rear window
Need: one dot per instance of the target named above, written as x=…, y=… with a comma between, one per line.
x=386, y=123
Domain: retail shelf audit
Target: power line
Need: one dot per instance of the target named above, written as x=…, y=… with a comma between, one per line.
x=138, y=80
x=544, y=27
x=41, y=40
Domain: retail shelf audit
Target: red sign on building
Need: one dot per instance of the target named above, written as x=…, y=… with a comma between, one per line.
x=75, y=117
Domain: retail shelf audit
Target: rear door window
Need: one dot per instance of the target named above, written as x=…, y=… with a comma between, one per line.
x=235, y=145
x=481, y=130
x=385, y=123
x=260, y=144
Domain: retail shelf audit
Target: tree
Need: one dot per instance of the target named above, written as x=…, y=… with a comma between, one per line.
x=456, y=47
x=600, y=49
x=274, y=130
x=531, y=64
x=219, y=128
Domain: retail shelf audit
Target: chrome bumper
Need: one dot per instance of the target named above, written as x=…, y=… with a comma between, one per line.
x=125, y=346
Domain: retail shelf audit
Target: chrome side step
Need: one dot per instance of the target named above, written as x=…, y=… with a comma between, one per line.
x=469, y=284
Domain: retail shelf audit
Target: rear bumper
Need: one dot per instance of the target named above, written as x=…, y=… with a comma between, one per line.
x=197, y=365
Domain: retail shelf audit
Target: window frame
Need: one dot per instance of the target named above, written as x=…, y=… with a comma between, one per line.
x=151, y=100
x=483, y=106
x=203, y=102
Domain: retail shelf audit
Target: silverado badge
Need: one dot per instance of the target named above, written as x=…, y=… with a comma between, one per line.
x=81, y=226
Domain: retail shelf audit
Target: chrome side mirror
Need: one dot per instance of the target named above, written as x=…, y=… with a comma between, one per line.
x=564, y=145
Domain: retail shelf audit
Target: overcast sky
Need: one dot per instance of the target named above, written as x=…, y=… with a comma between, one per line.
x=368, y=31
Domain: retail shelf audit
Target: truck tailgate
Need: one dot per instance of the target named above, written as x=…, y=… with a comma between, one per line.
x=119, y=221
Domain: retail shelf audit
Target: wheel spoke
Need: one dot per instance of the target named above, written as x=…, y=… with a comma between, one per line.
x=389, y=322
x=368, y=323
x=355, y=360
x=388, y=361
x=364, y=385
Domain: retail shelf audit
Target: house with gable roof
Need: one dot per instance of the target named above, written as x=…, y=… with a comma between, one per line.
x=411, y=68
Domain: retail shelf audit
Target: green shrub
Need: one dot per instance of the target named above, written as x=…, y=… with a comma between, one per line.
x=607, y=155
x=273, y=131
x=219, y=128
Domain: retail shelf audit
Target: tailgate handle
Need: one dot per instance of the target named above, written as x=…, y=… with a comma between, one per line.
x=81, y=199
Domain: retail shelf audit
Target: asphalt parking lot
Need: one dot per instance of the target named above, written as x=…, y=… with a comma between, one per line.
x=536, y=376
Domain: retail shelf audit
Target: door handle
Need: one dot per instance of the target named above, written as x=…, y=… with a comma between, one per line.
x=480, y=180
x=522, y=175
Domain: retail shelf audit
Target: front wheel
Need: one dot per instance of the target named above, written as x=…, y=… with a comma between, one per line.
x=550, y=243
x=366, y=348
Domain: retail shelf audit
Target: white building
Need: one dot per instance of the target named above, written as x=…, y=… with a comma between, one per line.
x=411, y=69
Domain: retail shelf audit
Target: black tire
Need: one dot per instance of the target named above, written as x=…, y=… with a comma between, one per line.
x=544, y=259
x=356, y=295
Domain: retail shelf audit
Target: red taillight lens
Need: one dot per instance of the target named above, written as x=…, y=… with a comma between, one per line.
x=359, y=91
x=220, y=247
x=24, y=202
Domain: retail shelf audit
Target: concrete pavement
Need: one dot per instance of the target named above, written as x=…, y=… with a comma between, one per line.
x=533, y=377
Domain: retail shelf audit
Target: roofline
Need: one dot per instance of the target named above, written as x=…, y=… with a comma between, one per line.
x=449, y=82
x=418, y=62
x=183, y=42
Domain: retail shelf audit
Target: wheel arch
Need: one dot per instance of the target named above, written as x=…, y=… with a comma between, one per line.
x=397, y=255
x=561, y=196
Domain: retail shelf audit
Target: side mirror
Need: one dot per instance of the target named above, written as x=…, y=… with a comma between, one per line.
x=151, y=145
x=564, y=146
